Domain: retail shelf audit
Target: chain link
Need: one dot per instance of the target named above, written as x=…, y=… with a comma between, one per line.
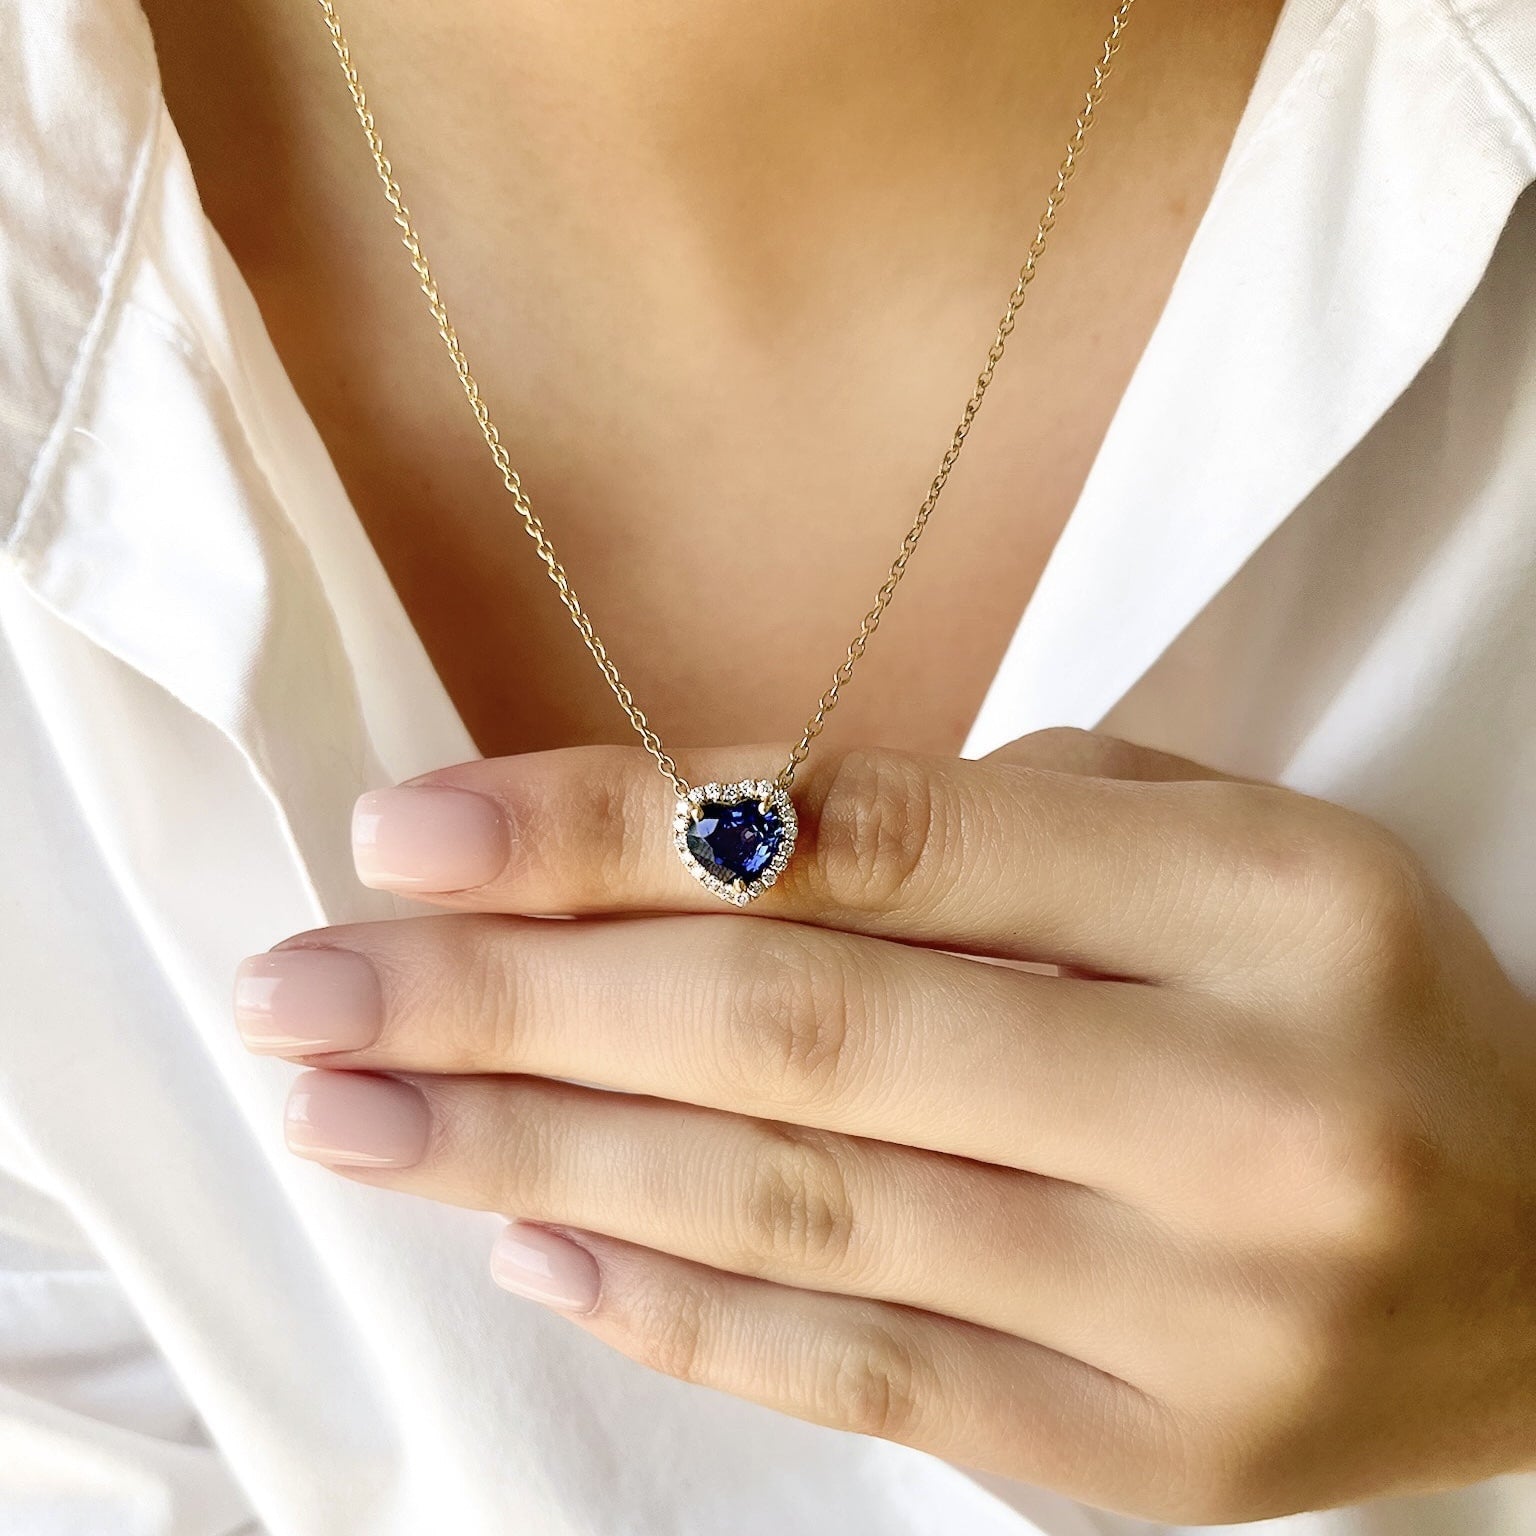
x=533, y=525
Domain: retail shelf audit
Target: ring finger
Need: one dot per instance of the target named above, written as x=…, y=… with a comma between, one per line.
x=1063, y=1266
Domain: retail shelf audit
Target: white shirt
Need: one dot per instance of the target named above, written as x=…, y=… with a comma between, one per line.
x=1307, y=551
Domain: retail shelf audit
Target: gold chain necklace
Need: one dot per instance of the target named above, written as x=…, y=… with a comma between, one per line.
x=734, y=838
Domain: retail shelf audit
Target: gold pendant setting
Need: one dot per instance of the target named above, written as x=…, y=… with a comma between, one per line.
x=735, y=839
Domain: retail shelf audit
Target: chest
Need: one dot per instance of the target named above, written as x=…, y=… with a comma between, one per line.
x=726, y=543
x=726, y=429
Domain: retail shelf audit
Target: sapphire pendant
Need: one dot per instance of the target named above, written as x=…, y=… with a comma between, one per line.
x=735, y=839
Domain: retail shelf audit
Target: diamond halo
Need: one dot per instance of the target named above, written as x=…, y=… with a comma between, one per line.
x=762, y=792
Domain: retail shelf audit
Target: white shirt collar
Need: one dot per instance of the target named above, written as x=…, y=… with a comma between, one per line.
x=1378, y=160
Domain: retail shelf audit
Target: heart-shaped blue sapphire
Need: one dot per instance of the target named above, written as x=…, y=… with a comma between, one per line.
x=735, y=842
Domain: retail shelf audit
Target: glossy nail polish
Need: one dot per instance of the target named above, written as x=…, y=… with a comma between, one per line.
x=294, y=1001
x=357, y=1119
x=427, y=837
x=546, y=1267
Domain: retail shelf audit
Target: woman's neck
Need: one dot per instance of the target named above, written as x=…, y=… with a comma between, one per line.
x=729, y=150
x=726, y=274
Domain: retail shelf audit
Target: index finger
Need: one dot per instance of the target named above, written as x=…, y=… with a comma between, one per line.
x=1131, y=878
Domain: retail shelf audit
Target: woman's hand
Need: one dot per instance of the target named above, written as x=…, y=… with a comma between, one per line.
x=1234, y=1217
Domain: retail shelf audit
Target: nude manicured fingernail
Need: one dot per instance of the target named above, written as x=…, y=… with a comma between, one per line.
x=291, y=1000
x=542, y=1265
x=427, y=837
x=355, y=1119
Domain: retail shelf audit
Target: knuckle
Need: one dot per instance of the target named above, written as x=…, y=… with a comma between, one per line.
x=626, y=801
x=1217, y=1489
x=872, y=1384
x=1070, y=749
x=1373, y=893
x=499, y=1144
x=589, y=849
x=671, y=1333
x=1368, y=1178
x=1222, y=1467
x=1243, y=1461
x=476, y=1018
x=798, y=1210
x=1353, y=1171
x=796, y=1012
x=1355, y=888
x=1289, y=1351
x=876, y=825
x=448, y=990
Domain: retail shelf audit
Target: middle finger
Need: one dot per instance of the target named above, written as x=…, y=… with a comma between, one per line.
x=1061, y=1076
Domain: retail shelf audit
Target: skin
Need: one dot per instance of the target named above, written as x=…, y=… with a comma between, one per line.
x=1229, y=1218
x=727, y=275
